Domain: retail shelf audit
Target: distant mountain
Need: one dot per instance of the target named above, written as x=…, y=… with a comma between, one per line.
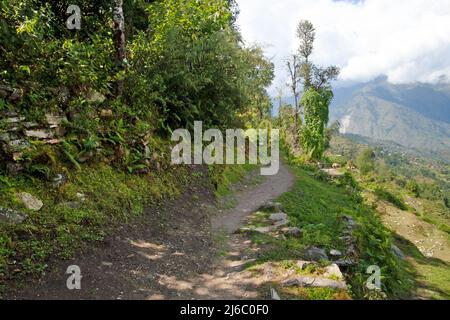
x=416, y=116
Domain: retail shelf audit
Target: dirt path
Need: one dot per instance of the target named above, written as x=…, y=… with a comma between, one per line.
x=250, y=199
x=172, y=253
x=228, y=279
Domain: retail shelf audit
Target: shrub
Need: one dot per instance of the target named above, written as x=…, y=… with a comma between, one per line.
x=383, y=194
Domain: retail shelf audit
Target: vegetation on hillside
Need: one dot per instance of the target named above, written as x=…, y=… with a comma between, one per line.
x=118, y=88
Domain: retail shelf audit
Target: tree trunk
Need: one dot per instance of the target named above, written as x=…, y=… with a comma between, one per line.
x=119, y=42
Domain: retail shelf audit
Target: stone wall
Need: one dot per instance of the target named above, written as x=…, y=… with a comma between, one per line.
x=17, y=135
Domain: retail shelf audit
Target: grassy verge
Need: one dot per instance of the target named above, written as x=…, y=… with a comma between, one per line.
x=66, y=224
x=227, y=175
x=317, y=205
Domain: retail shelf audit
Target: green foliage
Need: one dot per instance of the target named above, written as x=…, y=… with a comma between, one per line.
x=389, y=197
x=61, y=228
x=317, y=208
x=366, y=161
x=413, y=187
x=316, y=104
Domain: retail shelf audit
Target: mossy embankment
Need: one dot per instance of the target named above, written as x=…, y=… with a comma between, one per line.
x=85, y=209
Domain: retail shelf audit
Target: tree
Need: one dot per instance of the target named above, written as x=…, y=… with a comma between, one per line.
x=413, y=187
x=293, y=65
x=317, y=93
x=312, y=75
x=313, y=136
x=119, y=42
x=366, y=161
x=307, y=34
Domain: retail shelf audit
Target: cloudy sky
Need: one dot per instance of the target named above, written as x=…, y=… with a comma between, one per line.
x=407, y=40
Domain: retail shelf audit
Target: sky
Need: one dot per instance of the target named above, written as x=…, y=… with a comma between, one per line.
x=406, y=40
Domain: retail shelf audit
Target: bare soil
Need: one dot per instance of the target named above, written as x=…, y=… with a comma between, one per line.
x=173, y=252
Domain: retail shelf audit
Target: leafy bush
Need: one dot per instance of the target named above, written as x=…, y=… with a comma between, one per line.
x=389, y=197
x=366, y=161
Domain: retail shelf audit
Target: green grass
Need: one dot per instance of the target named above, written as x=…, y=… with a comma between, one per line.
x=228, y=175
x=384, y=194
x=59, y=230
x=432, y=275
x=317, y=206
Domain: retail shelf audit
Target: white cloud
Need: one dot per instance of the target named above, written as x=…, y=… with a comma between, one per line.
x=407, y=40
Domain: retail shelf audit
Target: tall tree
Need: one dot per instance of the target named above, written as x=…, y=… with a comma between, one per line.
x=307, y=34
x=317, y=93
x=293, y=66
x=119, y=42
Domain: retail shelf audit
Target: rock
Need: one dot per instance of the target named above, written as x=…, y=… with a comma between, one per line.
x=333, y=271
x=71, y=204
x=13, y=169
x=86, y=156
x=29, y=125
x=345, y=263
x=347, y=238
x=30, y=202
x=333, y=173
x=17, y=145
x=352, y=251
x=304, y=264
x=106, y=113
x=271, y=206
x=14, y=120
x=335, y=253
x=281, y=223
x=54, y=121
x=315, y=254
x=53, y=141
x=38, y=134
x=95, y=97
x=336, y=166
x=278, y=216
x=294, y=232
x=81, y=196
x=5, y=91
x=12, y=216
x=349, y=220
x=274, y=294
x=264, y=229
x=5, y=137
x=306, y=281
x=396, y=250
